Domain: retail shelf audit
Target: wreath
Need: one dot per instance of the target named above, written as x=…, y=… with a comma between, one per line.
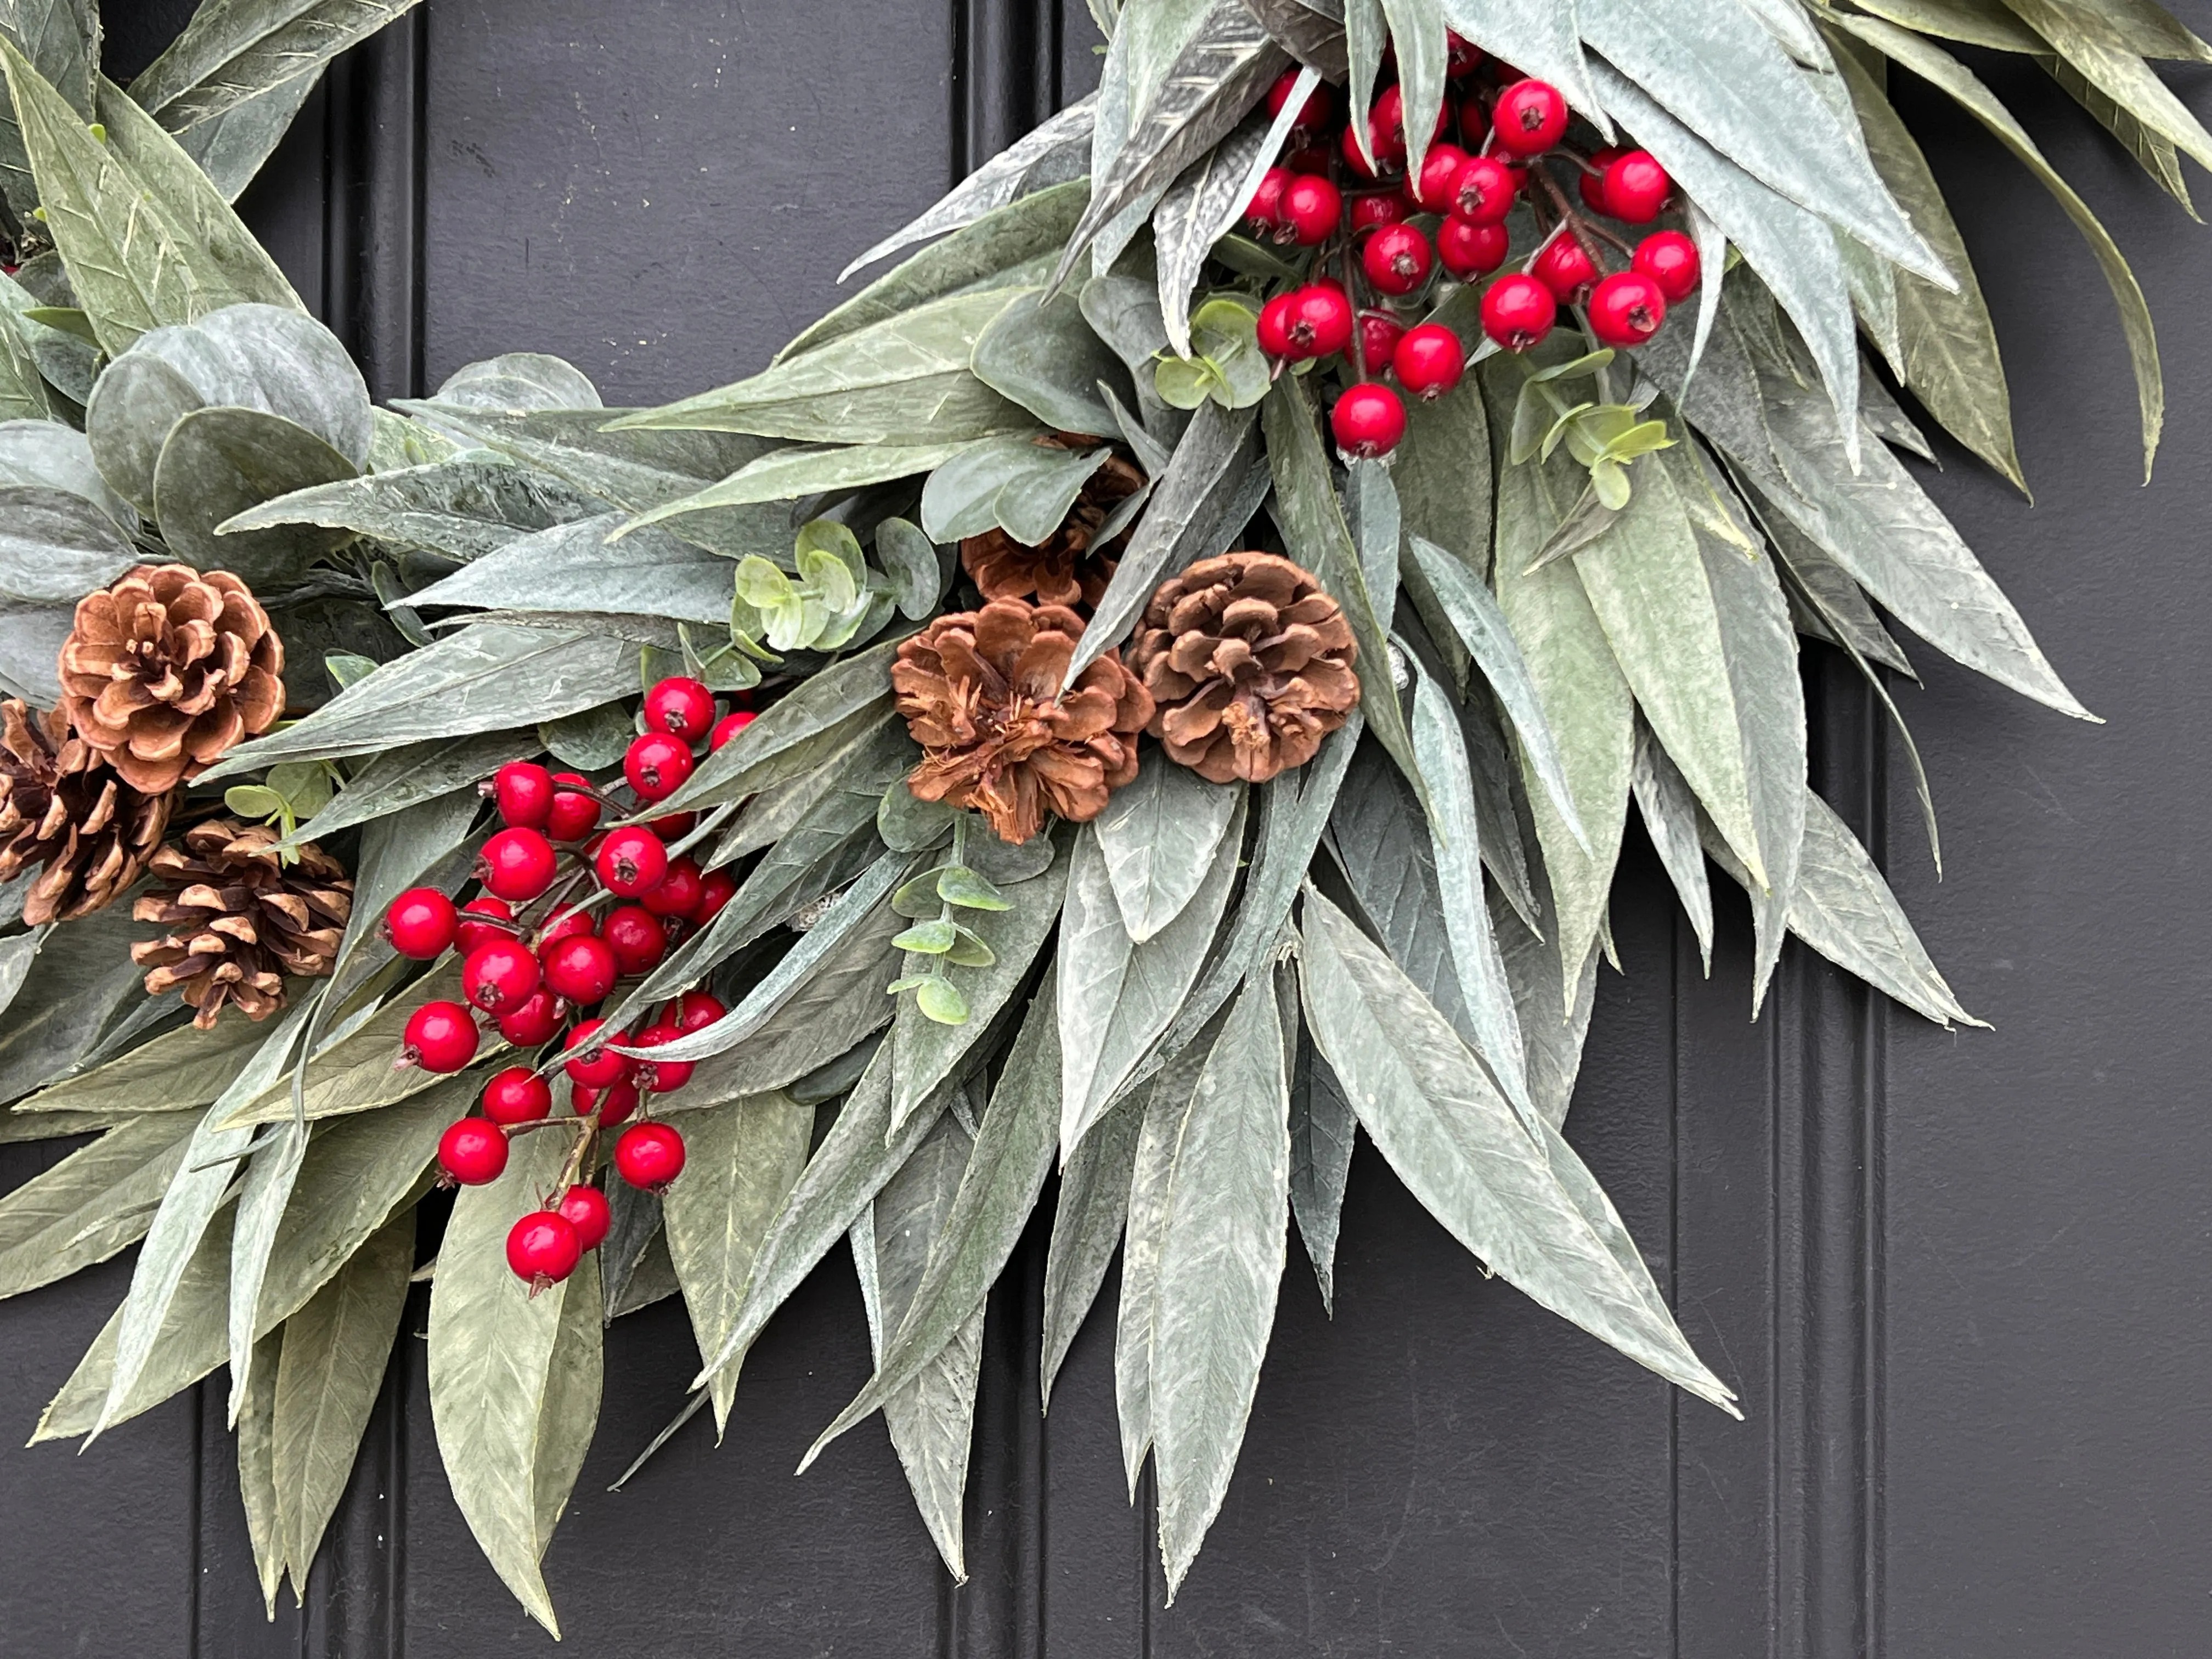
x=1149, y=688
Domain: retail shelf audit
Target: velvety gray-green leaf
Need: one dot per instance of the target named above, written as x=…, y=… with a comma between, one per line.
x=1157, y=835
x=1086, y=1229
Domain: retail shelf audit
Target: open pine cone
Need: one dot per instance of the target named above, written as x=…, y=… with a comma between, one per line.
x=981, y=693
x=1067, y=569
x=1248, y=663
x=64, y=807
x=239, y=919
x=168, y=669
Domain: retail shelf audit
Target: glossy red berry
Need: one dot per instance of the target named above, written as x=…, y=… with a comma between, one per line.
x=675, y=826
x=680, y=706
x=1460, y=56
x=499, y=975
x=533, y=1021
x=716, y=889
x=517, y=1095
x=1313, y=113
x=1518, y=312
x=1320, y=321
x=677, y=892
x=1436, y=187
x=542, y=1249
x=634, y=934
x=581, y=969
x=1484, y=190
x=421, y=923
x=1397, y=259
x=631, y=861
x=1381, y=208
x=1429, y=360
x=516, y=864
x=610, y=1105
x=1529, y=117
x=1386, y=123
x=480, y=921
x=1564, y=267
x=566, y=923
x=588, y=1060
x=586, y=1210
x=441, y=1037
x=729, y=725
x=650, y=1155
x=1348, y=146
x=1379, y=334
x=1312, y=208
x=1368, y=420
x=575, y=808
x=523, y=791
x=1626, y=309
x=1264, y=212
x=662, y=1077
x=1592, y=183
x=656, y=765
x=1274, y=327
x=1635, y=187
x=697, y=1009
x=1467, y=249
x=1670, y=259
x=473, y=1151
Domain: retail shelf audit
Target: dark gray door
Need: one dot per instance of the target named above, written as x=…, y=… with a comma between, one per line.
x=1958, y=1280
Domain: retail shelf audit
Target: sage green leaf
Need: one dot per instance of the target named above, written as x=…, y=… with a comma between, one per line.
x=218, y=461
x=328, y=1377
x=1215, y=1216
x=796, y=730
x=1670, y=819
x=581, y=567
x=257, y=1472
x=2093, y=43
x=493, y=1369
x=1018, y=484
x=903, y=380
x=1184, y=503
x=270, y=1172
x=1442, y=474
x=462, y=508
x=92, y=1204
x=1932, y=62
x=1844, y=612
x=2159, y=159
x=485, y=677
x=23, y=394
x=1117, y=997
x=1648, y=586
x=261, y=357
x=1525, y=1207
x=1157, y=835
x=910, y=560
x=518, y=383
x=1124, y=310
x=411, y=774
x=1207, y=202
x=55, y=1018
x=1322, y=1134
x=927, y=1053
x=1977, y=22
x=1040, y=354
x=1541, y=990
x=234, y=54
x=55, y=547
x=786, y=475
x=1539, y=37
x=840, y=1004
x=46, y=454
x=1416, y=32
x=743, y=1157
x=1086, y=1229
x=591, y=741
x=396, y=850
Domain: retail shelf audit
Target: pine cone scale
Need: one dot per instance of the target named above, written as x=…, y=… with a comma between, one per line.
x=62, y=808
x=1067, y=569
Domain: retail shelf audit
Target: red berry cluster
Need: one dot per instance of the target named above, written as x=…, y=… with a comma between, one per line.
x=536, y=949
x=1510, y=132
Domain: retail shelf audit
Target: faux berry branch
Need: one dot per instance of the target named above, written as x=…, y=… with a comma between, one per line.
x=1246, y=565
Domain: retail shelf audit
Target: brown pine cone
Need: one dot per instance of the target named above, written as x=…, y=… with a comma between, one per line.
x=1249, y=664
x=64, y=807
x=239, y=919
x=1067, y=569
x=980, y=692
x=168, y=669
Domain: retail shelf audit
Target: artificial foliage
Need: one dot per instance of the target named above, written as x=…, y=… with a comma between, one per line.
x=1149, y=689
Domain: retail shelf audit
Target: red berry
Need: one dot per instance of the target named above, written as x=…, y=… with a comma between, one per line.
x=656, y=765
x=517, y=1095
x=1564, y=267
x=1397, y=259
x=1626, y=309
x=1468, y=249
x=1437, y=185
x=680, y=706
x=634, y=934
x=1316, y=110
x=441, y=1037
x=565, y=923
x=581, y=969
x=589, y=1062
x=695, y=1010
x=610, y=1105
x=1518, y=311
x=1386, y=208
x=542, y=1249
x=421, y=923
x=1635, y=187
x=677, y=892
x=1484, y=191
x=1530, y=117
x=716, y=889
x=533, y=1020
x=524, y=791
x=1321, y=323
x=649, y=1155
x=516, y=864
x=1312, y=208
x=472, y=933
x=1429, y=360
x=1379, y=334
x=1592, y=184
x=1274, y=327
x=499, y=974
x=662, y=1077
x=1386, y=124
x=1265, y=210
x=1460, y=57
x=631, y=861
x=576, y=809
x=1348, y=146
x=586, y=1210
x=1670, y=259
x=729, y=725
x=674, y=827
x=473, y=1151
x=1368, y=420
